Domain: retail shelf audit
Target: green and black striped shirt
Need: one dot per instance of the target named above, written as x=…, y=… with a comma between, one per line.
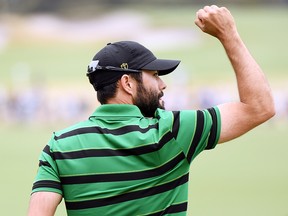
x=121, y=163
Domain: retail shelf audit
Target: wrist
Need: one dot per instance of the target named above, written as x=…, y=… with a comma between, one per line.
x=230, y=39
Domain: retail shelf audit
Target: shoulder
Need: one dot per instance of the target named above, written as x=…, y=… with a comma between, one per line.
x=188, y=117
x=72, y=129
x=174, y=115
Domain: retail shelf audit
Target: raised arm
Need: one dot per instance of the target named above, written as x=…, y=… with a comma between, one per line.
x=256, y=102
x=43, y=203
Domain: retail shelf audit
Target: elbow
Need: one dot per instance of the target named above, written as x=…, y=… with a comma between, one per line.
x=262, y=110
x=272, y=111
x=267, y=112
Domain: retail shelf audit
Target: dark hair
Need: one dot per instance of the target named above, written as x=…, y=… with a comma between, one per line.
x=109, y=91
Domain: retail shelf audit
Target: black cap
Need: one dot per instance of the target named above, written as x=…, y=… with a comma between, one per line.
x=115, y=59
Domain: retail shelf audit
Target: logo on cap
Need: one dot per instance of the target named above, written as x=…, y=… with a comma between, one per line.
x=124, y=66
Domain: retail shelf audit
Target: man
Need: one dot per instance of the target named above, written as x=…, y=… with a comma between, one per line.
x=132, y=157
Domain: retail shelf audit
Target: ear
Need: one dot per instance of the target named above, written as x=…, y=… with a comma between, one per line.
x=127, y=84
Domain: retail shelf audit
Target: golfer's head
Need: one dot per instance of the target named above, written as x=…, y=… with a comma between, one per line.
x=123, y=57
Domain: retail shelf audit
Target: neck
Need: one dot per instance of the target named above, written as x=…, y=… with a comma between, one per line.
x=121, y=98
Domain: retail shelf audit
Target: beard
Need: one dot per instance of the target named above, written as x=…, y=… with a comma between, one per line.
x=148, y=101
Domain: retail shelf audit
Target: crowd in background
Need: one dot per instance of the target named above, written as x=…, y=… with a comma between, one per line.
x=37, y=105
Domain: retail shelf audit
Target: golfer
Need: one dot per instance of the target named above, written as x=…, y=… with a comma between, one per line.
x=131, y=157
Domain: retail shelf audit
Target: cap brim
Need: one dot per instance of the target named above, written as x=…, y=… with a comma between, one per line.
x=163, y=66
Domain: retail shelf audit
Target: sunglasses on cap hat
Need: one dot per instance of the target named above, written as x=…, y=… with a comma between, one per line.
x=94, y=66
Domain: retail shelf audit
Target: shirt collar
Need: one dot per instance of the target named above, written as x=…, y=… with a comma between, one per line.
x=117, y=110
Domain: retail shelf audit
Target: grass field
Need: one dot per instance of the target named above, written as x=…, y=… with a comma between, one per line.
x=248, y=176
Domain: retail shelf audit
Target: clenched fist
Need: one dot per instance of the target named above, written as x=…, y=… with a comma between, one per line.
x=216, y=21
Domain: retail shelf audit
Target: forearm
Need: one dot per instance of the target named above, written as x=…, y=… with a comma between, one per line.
x=253, y=87
x=256, y=102
x=254, y=90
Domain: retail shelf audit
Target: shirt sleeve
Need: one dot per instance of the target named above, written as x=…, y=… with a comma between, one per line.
x=47, y=178
x=198, y=130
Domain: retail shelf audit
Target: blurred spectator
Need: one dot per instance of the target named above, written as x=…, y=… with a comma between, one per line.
x=36, y=104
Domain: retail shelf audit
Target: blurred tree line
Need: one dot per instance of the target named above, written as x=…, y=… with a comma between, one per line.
x=58, y=6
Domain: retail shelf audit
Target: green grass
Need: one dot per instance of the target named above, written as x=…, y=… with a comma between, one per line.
x=248, y=176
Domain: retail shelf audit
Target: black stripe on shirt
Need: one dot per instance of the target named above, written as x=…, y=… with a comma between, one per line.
x=176, y=123
x=113, y=177
x=48, y=184
x=99, y=130
x=213, y=132
x=182, y=207
x=128, y=196
x=44, y=163
x=47, y=150
x=197, y=135
x=114, y=152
